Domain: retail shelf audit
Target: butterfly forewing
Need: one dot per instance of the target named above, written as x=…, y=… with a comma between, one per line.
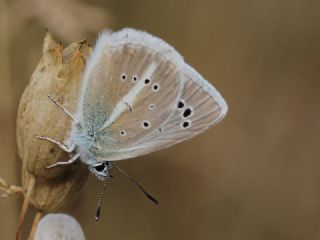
x=130, y=86
x=144, y=107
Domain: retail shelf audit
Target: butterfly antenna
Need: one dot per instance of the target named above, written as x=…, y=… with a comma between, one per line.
x=137, y=184
x=100, y=199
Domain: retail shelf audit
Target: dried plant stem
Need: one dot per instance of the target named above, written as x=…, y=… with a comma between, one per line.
x=9, y=190
x=34, y=225
x=25, y=207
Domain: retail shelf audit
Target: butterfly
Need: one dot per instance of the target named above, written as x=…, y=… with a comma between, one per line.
x=137, y=96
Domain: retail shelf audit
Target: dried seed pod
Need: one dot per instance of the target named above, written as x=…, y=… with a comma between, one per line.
x=58, y=74
x=59, y=227
x=55, y=194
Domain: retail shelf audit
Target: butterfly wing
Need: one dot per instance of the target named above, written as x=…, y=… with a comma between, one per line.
x=139, y=96
x=122, y=70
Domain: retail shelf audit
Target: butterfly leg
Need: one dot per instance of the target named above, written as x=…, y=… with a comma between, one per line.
x=63, y=109
x=72, y=160
x=64, y=147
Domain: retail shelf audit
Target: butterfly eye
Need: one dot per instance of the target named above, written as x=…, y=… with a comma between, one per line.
x=156, y=87
x=134, y=78
x=187, y=112
x=145, y=124
x=123, y=76
x=99, y=168
x=186, y=124
x=180, y=104
x=147, y=81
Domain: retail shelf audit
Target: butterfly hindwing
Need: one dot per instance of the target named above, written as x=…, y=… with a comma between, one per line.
x=198, y=107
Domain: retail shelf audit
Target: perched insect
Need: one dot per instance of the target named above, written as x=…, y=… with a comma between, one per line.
x=137, y=96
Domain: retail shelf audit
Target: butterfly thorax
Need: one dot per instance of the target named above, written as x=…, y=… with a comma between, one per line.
x=86, y=141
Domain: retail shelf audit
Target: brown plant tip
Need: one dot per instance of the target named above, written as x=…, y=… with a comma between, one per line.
x=48, y=43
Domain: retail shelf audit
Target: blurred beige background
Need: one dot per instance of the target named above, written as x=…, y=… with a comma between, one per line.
x=254, y=176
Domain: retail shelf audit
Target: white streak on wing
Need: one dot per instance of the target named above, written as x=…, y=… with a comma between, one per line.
x=130, y=97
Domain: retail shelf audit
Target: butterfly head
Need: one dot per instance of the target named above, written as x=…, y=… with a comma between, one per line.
x=100, y=170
